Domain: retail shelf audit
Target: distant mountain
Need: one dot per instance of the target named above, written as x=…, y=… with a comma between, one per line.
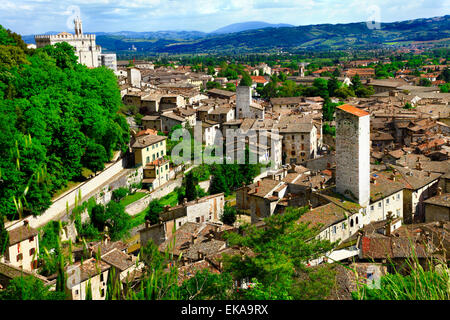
x=250, y=25
x=271, y=39
x=321, y=37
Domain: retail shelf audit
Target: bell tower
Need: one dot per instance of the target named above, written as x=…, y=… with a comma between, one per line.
x=78, y=26
x=353, y=153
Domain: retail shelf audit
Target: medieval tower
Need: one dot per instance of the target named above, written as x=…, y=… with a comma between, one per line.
x=353, y=153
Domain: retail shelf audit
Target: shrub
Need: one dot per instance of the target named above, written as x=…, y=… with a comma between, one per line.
x=120, y=193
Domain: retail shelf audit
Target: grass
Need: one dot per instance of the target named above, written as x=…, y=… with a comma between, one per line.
x=138, y=219
x=70, y=185
x=418, y=284
x=171, y=199
x=132, y=198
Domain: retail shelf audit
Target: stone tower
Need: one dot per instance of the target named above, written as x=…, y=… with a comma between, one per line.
x=78, y=26
x=353, y=153
x=243, y=102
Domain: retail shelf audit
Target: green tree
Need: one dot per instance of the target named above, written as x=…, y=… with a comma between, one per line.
x=424, y=82
x=155, y=208
x=118, y=222
x=190, y=185
x=120, y=193
x=246, y=81
x=229, y=214
x=95, y=156
x=29, y=288
x=207, y=286
x=280, y=248
x=4, y=237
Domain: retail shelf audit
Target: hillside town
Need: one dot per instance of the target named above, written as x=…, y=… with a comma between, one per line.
x=357, y=152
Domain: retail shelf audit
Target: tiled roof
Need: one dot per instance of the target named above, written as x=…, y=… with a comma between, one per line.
x=147, y=140
x=440, y=200
x=20, y=234
x=118, y=259
x=324, y=216
x=353, y=110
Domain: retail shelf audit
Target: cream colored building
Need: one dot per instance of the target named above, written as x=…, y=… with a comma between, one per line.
x=85, y=47
x=23, y=249
x=90, y=272
x=148, y=148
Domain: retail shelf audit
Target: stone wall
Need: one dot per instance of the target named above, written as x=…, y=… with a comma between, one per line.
x=139, y=205
x=100, y=187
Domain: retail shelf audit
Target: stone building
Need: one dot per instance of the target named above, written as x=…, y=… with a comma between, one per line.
x=85, y=47
x=437, y=208
x=23, y=248
x=353, y=153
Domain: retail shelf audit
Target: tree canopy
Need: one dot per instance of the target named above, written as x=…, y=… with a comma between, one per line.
x=57, y=116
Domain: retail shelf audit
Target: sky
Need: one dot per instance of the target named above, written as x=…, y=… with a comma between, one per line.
x=40, y=16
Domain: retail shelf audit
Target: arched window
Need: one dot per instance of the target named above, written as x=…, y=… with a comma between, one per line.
x=351, y=223
x=356, y=220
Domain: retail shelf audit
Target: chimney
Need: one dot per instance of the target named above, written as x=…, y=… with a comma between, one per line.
x=166, y=208
x=393, y=177
x=259, y=183
x=185, y=200
x=256, y=190
x=25, y=223
x=200, y=255
x=419, y=166
x=439, y=191
x=387, y=230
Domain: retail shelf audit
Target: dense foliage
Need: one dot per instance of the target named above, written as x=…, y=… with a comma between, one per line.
x=281, y=250
x=29, y=288
x=56, y=117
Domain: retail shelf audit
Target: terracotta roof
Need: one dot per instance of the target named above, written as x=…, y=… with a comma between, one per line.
x=353, y=110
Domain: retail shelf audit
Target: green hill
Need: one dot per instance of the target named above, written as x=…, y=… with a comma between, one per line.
x=311, y=37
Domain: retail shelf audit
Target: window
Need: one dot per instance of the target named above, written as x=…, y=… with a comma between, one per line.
x=167, y=166
x=148, y=159
x=153, y=157
x=76, y=291
x=153, y=146
x=351, y=223
x=103, y=292
x=303, y=137
x=179, y=224
x=101, y=277
x=292, y=153
x=387, y=201
x=343, y=226
x=398, y=212
x=398, y=196
x=32, y=250
x=356, y=220
x=379, y=204
x=157, y=155
x=197, y=219
x=371, y=208
x=293, y=137
x=19, y=257
x=334, y=229
x=303, y=146
x=147, y=148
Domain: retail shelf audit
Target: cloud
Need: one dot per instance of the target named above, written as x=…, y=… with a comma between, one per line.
x=39, y=16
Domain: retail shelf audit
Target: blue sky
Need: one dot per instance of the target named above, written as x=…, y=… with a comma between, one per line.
x=39, y=16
